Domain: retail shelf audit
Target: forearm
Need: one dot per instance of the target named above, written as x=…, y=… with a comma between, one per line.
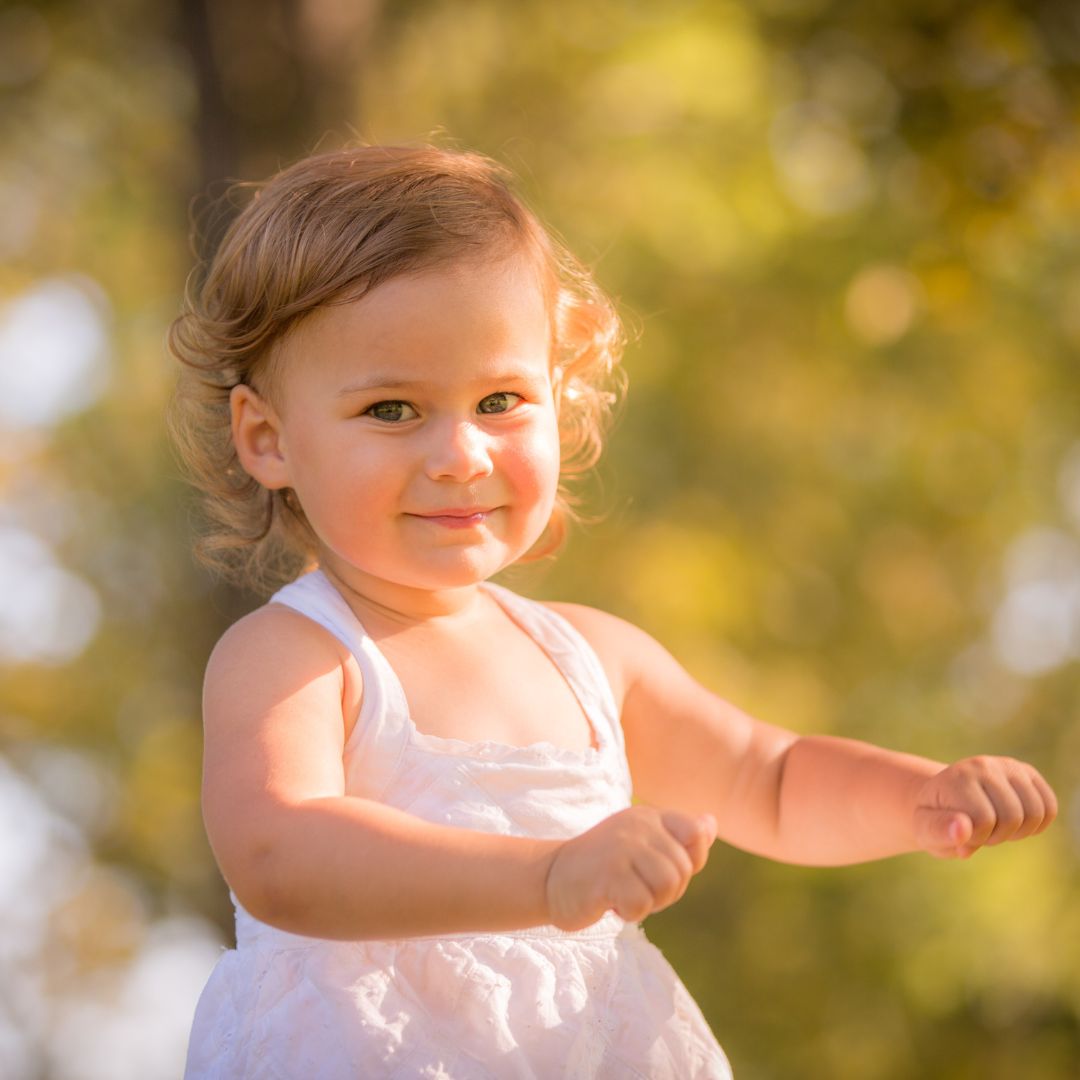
x=351, y=868
x=841, y=801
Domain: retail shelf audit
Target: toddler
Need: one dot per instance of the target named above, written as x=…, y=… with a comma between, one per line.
x=418, y=784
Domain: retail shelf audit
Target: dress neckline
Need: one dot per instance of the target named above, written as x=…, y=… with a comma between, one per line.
x=539, y=623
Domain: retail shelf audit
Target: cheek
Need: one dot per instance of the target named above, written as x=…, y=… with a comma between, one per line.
x=344, y=483
x=535, y=460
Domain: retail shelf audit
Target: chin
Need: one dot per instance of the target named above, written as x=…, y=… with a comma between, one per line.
x=462, y=574
x=431, y=575
x=470, y=567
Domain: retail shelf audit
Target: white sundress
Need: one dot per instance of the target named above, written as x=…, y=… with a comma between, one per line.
x=532, y=1004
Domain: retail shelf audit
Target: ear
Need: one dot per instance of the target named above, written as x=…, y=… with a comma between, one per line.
x=257, y=436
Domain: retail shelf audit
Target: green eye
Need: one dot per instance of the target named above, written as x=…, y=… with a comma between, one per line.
x=498, y=403
x=391, y=412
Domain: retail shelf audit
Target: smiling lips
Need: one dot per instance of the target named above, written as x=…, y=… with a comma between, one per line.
x=456, y=518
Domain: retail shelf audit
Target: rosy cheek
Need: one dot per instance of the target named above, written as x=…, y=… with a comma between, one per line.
x=537, y=457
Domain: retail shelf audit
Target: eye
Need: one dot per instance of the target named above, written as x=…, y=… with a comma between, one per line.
x=391, y=412
x=501, y=402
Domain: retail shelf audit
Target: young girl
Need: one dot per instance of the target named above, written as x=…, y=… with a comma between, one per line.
x=418, y=784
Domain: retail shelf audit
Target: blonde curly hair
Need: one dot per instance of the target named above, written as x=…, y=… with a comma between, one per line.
x=328, y=230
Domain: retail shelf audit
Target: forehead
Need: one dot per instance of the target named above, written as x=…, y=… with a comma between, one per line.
x=466, y=315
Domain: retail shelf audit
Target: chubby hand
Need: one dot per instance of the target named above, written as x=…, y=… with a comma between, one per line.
x=978, y=801
x=635, y=862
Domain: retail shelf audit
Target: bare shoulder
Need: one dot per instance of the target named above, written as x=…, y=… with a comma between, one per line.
x=273, y=638
x=273, y=633
x=275, y=654
x=622, y=647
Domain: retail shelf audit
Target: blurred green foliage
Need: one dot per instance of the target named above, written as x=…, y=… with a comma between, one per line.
x=847, y=240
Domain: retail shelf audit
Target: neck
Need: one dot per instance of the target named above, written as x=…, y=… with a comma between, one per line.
x=388, y=607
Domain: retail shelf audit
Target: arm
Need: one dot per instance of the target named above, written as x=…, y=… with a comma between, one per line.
x=845, y=801
x=812, y=800
x=302, y=855
x=297, y=851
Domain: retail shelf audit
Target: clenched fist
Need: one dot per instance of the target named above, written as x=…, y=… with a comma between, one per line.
x=981, y=800
x=635, y=862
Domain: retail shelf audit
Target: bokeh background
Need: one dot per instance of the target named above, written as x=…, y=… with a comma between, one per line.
x=844, y=488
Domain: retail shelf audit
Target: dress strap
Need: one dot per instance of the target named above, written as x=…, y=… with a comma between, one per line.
x=575, y=658
x=381, y=733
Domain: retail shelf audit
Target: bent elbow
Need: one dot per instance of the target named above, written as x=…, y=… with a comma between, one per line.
x=258, y=886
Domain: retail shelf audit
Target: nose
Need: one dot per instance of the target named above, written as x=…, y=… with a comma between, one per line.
x=458, y=450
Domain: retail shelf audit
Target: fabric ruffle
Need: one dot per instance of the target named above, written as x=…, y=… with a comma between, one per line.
x=489, y=1007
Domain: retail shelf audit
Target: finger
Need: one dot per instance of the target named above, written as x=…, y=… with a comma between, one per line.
x=980, y=809
x=669, y=849
x=708, y=828
x=942, y=827
x=698, y=852
x=942, y=832
x=663, y=874
x=695, y=834
x=631, y=898
x=663, y=856
x=684, y=827
x=1034, y=807
x=1008, y=811
x=1050, y=803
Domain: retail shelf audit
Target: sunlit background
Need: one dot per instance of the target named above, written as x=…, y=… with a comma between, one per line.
x=844, y=489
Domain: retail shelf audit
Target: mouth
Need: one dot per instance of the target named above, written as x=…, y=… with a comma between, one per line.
x=456, y=517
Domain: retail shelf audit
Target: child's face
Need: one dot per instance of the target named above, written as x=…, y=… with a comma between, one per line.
x=418, y=426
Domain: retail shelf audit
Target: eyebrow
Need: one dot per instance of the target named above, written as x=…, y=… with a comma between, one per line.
x=380, y=381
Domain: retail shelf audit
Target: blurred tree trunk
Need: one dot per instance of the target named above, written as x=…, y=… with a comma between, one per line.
x=274, y=79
